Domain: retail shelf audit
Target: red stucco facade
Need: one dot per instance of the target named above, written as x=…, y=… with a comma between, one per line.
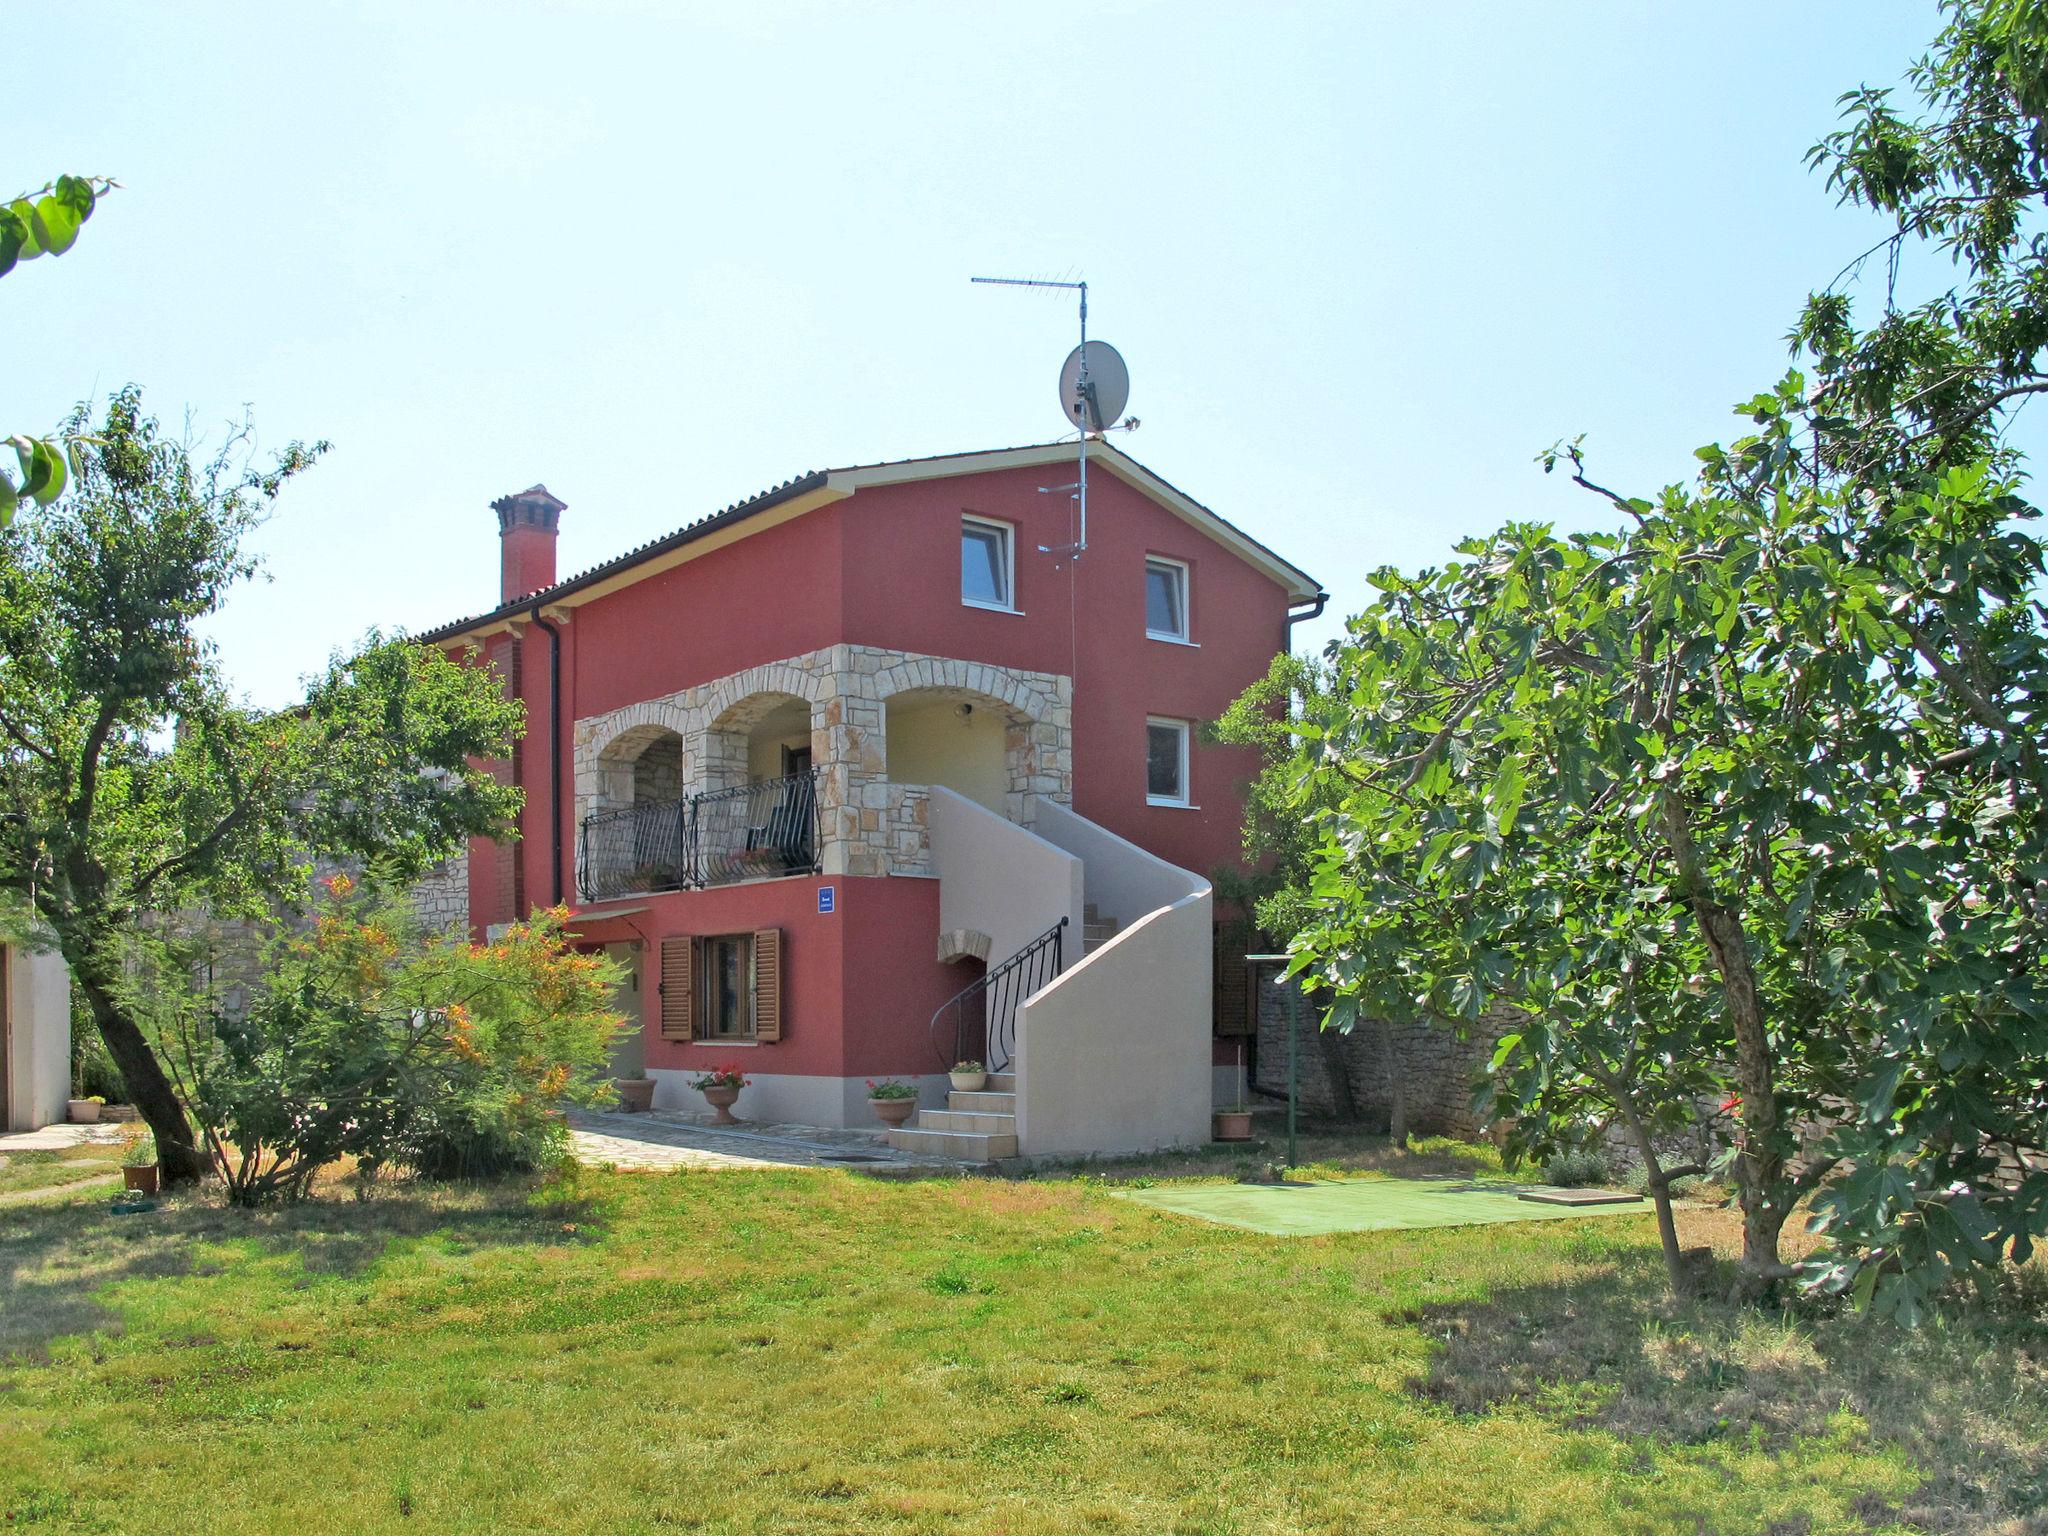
x=881, y=567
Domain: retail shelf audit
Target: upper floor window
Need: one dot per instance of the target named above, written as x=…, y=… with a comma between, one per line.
x=987, y=563
x=1166, y=599
x=1166, y=761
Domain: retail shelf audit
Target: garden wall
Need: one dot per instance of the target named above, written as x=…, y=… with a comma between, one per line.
x=1349, y=1075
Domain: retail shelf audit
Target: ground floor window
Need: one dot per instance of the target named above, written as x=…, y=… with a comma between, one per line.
x=728, y=982
x=722, y=986
x=1166, y=762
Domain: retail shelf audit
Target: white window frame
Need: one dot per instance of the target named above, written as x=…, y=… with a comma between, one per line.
x=1007, y=532
x=1185, y=799
x=1180, y=568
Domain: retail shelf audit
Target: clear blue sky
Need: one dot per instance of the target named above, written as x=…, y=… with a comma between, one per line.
x=1364, y=260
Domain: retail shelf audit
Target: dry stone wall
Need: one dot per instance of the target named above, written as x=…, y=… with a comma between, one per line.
x=1437, y=1065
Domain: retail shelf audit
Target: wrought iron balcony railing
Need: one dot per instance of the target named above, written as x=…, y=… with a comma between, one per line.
x=753, y=832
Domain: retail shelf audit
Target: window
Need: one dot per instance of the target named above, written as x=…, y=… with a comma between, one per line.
x=1166, y=762
x=1166, y=599
x=726, y=968
x=722, y=986
x=985, y=563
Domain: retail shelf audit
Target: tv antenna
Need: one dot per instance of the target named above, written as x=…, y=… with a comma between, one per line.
x=1095, y=386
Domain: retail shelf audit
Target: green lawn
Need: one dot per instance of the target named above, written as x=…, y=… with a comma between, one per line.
x=23, y=1172
x=817, y=1352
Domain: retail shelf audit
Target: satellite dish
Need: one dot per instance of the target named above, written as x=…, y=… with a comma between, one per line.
x=1109, y=383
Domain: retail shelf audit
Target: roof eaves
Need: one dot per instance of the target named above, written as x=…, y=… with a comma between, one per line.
x=688, y=533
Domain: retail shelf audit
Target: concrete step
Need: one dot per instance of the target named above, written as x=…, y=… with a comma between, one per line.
x=984, y=1103
x=963, y=1146
x=1001, y=1082
x=966, y=1120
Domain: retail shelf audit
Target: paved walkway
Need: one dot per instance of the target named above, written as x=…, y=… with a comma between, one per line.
x=55, y=1138
x=673, y=1139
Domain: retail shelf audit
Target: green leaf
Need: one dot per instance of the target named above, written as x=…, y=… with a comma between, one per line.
x=42, y=471
x=56, y=222
x=25, y=216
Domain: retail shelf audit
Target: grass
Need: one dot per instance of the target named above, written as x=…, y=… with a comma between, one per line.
x=812, y=1351
x=22, y=1172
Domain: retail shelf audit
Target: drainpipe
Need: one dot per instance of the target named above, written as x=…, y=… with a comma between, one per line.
x=1314, y=611
x=555, y=745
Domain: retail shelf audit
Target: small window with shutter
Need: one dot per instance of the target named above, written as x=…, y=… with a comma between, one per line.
x=724, y=986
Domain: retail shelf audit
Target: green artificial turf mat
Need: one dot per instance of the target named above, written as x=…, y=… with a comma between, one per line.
x=1360, y=1205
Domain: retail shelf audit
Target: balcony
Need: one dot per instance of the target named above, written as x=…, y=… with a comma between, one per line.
x=760, y=831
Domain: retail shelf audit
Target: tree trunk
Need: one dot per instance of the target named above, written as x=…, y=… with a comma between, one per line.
x=1760, y=1166
x=1660, y=1196
x=1336, y=1049
x=1397, y=1088
x=179, y=1158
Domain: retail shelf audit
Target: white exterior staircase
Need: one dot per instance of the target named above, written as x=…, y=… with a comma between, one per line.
x=973, y=1127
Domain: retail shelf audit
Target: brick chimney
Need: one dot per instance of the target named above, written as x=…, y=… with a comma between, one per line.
x=527, y=521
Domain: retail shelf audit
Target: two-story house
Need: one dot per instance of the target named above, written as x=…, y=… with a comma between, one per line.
x=876, y=771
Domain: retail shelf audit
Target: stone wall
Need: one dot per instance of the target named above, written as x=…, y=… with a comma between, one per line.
x=440, y=897
x=1438, y=1067
x=870, y=826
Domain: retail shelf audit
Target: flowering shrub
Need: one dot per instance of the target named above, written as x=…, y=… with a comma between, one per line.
x=367, y=1038
x=889, y=1088
x=727, y=1076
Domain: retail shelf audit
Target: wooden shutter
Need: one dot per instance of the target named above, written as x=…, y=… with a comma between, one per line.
x=678, y=987
x=768, y=984
x=1233, y=982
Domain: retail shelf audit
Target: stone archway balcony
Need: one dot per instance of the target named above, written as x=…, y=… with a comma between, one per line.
x=785, y=769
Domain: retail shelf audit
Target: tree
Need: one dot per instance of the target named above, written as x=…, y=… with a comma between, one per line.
x=1745, y=800
x=131, y=780
x=45, y=222
x=1683, y=797
x=366, y=1037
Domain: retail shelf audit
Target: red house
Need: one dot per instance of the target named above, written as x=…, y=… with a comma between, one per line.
x=877, y=771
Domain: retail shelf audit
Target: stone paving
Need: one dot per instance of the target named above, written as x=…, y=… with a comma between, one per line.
x=674, y=1139
x=55, y=1138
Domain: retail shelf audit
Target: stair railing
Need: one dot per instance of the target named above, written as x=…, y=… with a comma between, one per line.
x=980, y=1023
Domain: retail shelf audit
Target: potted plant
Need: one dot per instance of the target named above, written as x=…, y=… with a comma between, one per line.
x=893, y=1102
x=968, y=1077
x=1233, y=1124
x=636, y=1094
x=721, y=1088
x=84, y=1111
x=138, y=1163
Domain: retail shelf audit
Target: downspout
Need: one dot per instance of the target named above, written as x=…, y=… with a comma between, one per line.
x=555, y=746
x=1314, y=611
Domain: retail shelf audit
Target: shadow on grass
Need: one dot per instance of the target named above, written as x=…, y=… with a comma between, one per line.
x=1964, y=1399
x=58, y=1259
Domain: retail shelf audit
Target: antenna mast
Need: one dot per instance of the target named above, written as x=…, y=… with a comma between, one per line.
x=1084, y=407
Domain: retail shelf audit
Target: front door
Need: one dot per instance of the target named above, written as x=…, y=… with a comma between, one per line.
x=629, y=1051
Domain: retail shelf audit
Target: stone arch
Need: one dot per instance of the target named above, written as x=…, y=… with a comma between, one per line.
x=641, y=764
x=999, y=758
x=736, y=733
x=971, y=680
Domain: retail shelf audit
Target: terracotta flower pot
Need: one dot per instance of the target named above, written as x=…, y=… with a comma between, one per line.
x=1233, y=1124
x=143, y=1179
x=969, y=1082
x=722, y=1100
x=636, y=1094
x=893, y=1111
x=82, y=1111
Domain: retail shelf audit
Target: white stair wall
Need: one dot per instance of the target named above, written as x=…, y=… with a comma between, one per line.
x=1114, y=1056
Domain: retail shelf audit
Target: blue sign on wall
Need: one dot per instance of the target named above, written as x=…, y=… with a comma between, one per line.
x=828, y=898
